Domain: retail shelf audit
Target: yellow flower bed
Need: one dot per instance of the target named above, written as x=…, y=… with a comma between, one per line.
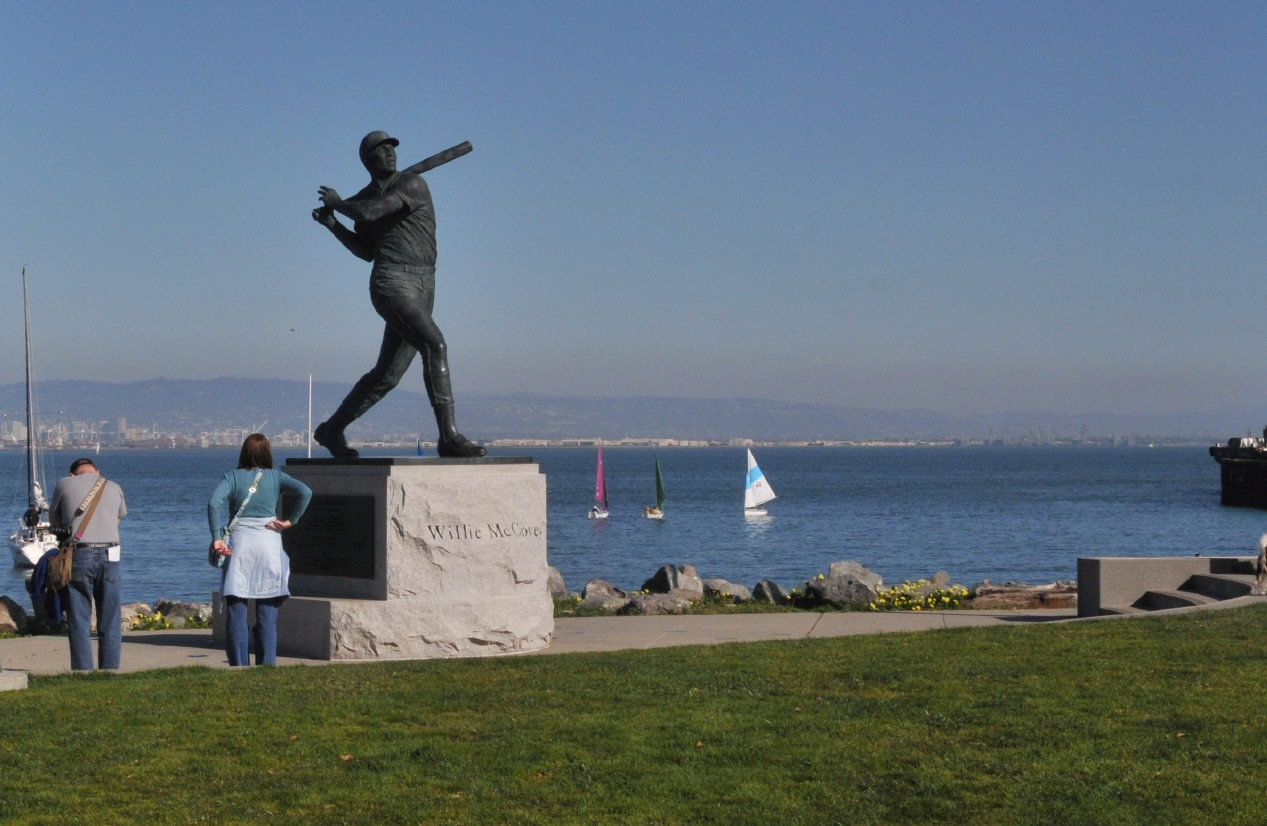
x=909, y=596
x=155, y=622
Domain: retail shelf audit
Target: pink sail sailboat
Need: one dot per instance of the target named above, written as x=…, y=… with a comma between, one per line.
x=599, y=510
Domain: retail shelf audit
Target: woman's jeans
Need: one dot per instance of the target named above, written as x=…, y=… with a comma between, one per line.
x=264, y=631
x=94, y=578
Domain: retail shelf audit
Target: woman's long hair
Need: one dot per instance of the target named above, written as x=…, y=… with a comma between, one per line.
x=256, y=452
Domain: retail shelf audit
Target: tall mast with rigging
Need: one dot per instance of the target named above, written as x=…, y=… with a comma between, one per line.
x=30, y=401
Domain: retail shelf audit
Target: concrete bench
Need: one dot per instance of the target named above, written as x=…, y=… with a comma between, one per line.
x=1123, y=585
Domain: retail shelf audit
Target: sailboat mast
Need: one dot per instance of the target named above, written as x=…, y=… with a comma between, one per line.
x=30, y=400
x=310, y=415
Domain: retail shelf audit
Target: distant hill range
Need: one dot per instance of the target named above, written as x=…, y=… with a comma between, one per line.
x=191, y=406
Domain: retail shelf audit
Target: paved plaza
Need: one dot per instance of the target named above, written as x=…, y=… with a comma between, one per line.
x=143, y=650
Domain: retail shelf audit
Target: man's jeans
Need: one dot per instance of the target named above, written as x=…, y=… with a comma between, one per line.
x=264, y=632
x=93, y=578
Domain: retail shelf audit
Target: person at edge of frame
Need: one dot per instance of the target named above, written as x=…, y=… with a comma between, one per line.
x=94, y=572
x=257, y=567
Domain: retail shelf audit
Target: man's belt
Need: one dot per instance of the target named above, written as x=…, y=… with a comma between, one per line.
x=95, y=544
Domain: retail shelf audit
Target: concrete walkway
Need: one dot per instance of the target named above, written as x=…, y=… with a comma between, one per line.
x=143, y=650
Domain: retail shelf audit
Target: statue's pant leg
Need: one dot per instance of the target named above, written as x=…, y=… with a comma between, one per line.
x=394, y=358
x=405, y=301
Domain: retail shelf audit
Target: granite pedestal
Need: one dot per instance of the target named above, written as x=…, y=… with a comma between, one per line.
x=409, y=558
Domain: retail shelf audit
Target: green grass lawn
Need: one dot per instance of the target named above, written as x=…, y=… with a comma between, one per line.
x=1151, y=721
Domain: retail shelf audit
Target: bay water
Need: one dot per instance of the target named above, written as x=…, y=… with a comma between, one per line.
x=997, y=513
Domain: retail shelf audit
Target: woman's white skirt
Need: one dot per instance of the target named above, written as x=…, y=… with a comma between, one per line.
x=258, y=568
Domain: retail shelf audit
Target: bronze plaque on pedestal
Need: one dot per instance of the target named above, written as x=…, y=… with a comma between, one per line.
x=335, y=537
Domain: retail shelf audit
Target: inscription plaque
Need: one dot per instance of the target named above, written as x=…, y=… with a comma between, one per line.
x=334, y=538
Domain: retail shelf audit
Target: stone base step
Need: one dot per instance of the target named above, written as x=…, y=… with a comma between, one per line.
x=1113, y=610
x=1160, y=600
x=1220, y=586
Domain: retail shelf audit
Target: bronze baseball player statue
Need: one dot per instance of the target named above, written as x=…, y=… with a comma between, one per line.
x=394, y=226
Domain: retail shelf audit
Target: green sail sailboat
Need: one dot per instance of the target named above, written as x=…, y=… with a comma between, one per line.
x=658, y=511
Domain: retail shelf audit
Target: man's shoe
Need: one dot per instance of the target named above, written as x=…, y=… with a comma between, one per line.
x=459, y=447
x=333, y=441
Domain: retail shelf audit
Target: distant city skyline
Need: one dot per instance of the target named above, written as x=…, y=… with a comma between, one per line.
x=223, y=411
x=967, y=208
x=62, y=434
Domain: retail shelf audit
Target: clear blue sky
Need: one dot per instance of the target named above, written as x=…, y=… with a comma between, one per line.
x=969, y=207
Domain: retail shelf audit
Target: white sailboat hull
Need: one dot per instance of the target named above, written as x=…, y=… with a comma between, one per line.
x=597, y=513
x=757, y=511
x=659, y=516
x=26, y=549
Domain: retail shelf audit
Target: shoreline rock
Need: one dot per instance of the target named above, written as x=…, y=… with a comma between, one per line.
x=770, y=592
x=602, y=595
x=177, y=610
x=651, y=604
x=846, y=584
x=849, y=568
x=13, y=617
x=682, y=580
x=128, y=613
x=721, y=588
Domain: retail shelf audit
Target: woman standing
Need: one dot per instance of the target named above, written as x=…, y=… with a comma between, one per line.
x=257, y=568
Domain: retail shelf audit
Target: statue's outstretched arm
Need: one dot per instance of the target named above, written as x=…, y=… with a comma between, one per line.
x=365, y=210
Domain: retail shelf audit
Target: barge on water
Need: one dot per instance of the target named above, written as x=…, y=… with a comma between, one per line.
x=1243, y=471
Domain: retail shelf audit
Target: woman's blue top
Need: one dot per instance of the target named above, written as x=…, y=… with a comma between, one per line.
x=234, y=487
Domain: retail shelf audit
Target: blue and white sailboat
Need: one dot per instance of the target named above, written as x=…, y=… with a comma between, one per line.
x=757, y=490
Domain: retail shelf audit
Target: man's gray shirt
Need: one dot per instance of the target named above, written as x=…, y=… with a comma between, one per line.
x=70, y=494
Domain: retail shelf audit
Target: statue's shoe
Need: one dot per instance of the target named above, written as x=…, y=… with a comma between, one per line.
x=333, y=441
x=459, y=447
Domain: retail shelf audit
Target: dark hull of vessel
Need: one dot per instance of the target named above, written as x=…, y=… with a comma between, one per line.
x=1243, y=474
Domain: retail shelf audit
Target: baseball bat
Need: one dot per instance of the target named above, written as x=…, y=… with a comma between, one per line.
x=451, y=154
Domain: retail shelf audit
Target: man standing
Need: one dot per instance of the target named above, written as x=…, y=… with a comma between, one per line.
x=394, y=226
x=94, y=574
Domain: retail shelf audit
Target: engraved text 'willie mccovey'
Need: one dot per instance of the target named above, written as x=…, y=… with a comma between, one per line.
x=489, y=531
